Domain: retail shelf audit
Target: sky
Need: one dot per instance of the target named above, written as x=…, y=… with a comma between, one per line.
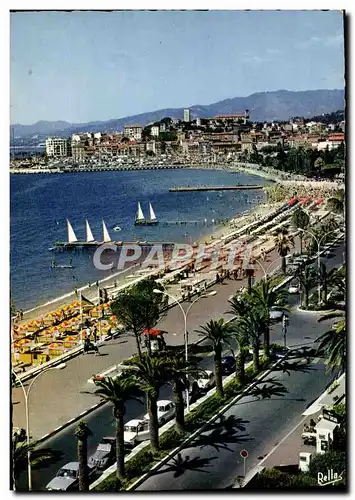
x=86, y=66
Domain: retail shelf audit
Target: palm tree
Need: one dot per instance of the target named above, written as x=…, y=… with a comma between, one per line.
x=307, y=279
x=265, y=297
x=254, y=327
x=240, y=305
x=82, y=432
x=333, y=342
x=178, y=371
x=150, y=374
x=40, y=457
x=300, y=220
x=283, y=243
x=242, y=340
x=219, y=333
x=118, y=391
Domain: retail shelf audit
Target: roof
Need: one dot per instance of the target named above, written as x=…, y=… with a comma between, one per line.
x=71, y=466
x=164, y=402
x=134, y=422
x=325, y=424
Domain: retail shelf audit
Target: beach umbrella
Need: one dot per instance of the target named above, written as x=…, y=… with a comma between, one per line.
x=151, y=331
x=319, y=202
x=70, y=338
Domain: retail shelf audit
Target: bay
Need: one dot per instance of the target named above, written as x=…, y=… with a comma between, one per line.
x=40, y=205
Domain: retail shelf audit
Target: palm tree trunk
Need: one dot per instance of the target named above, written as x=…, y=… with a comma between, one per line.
x=256, y=364
x=283, y=264
x=179, y=407
x=240, y=373
x=306, y=296
x=153, y=421
x=267, y=341
x=249, y=283
x=83, y=465
x=138, y=342
x=218, y=372
x=120, y=450
x=301, y=241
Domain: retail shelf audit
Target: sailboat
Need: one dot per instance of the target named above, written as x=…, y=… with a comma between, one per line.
x=71, y=234
x=140, y=220
x=107, y=237
x=89, y=235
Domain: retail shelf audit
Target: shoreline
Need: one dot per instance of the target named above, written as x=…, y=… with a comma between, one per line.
x=120, y=277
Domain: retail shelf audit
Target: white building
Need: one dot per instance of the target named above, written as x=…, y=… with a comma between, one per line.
x=133, y=132
x=198, y=122
x=56, y=147
x=186, y=115
x=154, y=131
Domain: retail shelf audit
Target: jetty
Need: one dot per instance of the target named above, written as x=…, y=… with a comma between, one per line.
x=74, y=243
x=215, y=188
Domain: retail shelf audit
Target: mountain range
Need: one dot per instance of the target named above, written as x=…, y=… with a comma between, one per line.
x=262, y=106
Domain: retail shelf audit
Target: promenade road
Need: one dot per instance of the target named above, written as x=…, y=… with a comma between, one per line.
x=56, y=398
x=303, y=329
x=255, y=423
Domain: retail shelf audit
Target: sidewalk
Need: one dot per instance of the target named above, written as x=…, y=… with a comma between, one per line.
x=286, y=452
x=56, y=398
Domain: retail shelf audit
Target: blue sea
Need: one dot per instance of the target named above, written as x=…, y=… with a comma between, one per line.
x=40, y=205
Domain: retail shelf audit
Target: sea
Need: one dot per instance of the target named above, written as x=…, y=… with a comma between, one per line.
x=40, y=205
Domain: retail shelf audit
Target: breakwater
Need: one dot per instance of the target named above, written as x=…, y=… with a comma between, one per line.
x=215, y=188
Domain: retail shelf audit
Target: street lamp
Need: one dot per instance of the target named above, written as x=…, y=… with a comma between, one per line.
x=318, y=241
x=271, y=263
x=26, y=396
x=185, y=313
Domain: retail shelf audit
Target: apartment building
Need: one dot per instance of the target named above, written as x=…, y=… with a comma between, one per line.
x=56, y=147
x=133, y=132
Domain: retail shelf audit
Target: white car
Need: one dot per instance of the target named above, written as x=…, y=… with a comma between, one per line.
x=206, y=381
x=166, y=410
x=67, y=478
x=276, y=314
x=293, y=288
x=135, y=431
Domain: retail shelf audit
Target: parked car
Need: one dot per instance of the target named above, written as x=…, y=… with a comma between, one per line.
x=105, y=453
x=294, y=288
x=276, y=314
x=135, y=431
x=166, y=410
x=228, y=365
x=206, y=381
x=67, y=478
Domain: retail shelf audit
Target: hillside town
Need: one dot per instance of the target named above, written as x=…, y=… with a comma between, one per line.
x=203, y=141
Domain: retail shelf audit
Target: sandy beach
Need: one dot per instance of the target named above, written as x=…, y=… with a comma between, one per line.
x=127, y=276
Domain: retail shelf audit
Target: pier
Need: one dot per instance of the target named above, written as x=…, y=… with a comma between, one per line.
x=215, y=188
x=80, y=245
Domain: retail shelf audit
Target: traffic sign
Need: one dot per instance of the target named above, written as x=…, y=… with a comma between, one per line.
x=244, y=454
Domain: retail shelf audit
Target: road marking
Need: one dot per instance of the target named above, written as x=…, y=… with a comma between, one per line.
x=258, y=466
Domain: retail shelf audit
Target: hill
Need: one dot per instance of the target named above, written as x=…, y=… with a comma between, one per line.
x=263, y=106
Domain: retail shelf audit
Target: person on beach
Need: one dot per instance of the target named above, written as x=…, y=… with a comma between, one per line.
x=218, y=279
x=21, y=314
x=96, y=348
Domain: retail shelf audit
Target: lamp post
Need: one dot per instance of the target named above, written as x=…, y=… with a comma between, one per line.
x=271, y=263
x=184, y=313
x=26, y=396
x=318, y=241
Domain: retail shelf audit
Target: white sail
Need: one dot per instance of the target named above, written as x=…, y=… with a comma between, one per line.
x=107, y=237
x=71, y=235
x=140, y=215
x=89, y=235
x=151, y=213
